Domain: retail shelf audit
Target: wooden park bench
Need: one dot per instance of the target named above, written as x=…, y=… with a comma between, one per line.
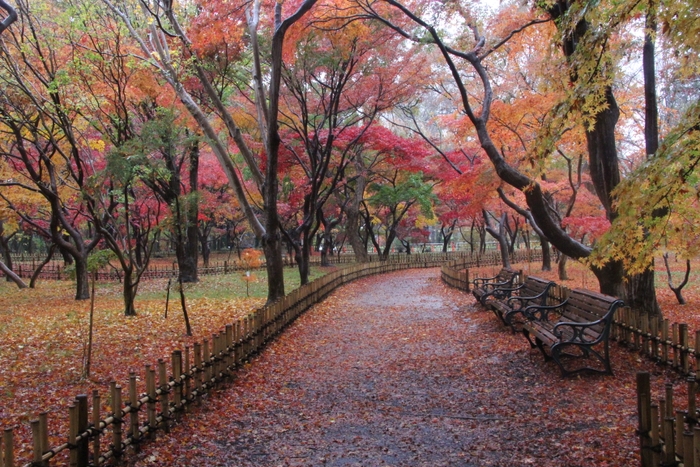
x=577, y=328
x=484, y=287
x=533, y=291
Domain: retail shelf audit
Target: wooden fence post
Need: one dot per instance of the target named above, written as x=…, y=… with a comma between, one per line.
x=188, y=375
x=164, y=389
x=96, y=427
x=83, y=448
x=134, y=410
x=36, y=443
x=44, y=430
x=644, y=414
x=683, y=351
x=198, y=370
x=8, y=451
x=177, y=378
x=152, y=398
x=117, y=423
x=73, y=434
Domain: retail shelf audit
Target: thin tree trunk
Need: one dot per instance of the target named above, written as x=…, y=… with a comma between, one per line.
x=677, y=291
x=37, y=271
x=14, y=277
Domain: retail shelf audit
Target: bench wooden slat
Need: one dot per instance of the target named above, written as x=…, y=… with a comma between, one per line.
x=589, y=315
x=483, y=287
x=533, y=290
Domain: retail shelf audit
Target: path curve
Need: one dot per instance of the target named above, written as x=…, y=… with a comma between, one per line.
x=401, y=370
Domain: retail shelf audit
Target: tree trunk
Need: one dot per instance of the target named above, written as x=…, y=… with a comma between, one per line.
x=500, y=235
x=204, y=241
x=192, y=231
x=12, y=276
x=82, y=279
x=546, y=254
x=561, y=267
x=37, y=271
x=129, y=293
x=640, y=292
x=352, y=230
x=5, y=249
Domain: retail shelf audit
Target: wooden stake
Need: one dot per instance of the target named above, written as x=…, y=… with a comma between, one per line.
x=36, y=443
x=176, y=360
x=644, y=415
x=152, y=397
x=188, y=375
x=134, y=413
x=73, y=434
x=655, y=440
x=688, y=449
x=683, y=351
x=83, y=449
x=664, y=341
x=198, y=370
x=96, y=424
x=8, y=451
x=117, y=424
x=44, y=430
x=680, y=429
x=164, y=404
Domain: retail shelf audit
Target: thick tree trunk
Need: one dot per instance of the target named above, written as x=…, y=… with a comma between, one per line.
x=640, y=293
x=129, y=293
x=5, y=249
x=561, y=267
x=204, y=241
x=546, y=254
x=272, y=247
x=352, y=230
x=82, y=279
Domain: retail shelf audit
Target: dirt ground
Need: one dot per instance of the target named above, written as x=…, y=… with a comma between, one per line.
x=400, y=370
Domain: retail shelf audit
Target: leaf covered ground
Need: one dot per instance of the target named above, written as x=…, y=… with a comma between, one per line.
x=402, y=370
x=394, y=370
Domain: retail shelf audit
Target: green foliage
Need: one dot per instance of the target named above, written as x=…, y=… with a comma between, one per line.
x=98, y=259
x=659, y=203
x=413, y=190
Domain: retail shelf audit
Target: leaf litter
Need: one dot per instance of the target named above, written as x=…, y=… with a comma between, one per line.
x=402, y=370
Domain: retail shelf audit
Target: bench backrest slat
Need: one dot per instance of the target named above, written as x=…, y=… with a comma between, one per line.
x=586, y=306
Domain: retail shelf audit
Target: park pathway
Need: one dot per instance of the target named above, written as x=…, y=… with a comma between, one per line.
x=400, y=370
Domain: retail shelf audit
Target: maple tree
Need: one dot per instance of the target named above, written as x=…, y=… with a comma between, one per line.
x=338, y=79
x=41, y=135
x=585, y=38
x=160, y=21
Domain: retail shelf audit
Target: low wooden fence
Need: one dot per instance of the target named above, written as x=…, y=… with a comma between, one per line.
x=668, y=436
x=55, y=270
x=95, y=438
x=455, y=273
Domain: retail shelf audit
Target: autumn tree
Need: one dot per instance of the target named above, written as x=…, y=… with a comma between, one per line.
x=126, y=217
x=157, y=27
x=584, y=40
x=339, y=79
x=41, y=137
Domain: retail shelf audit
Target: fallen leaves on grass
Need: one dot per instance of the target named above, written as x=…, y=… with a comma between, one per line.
x=43, y=337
